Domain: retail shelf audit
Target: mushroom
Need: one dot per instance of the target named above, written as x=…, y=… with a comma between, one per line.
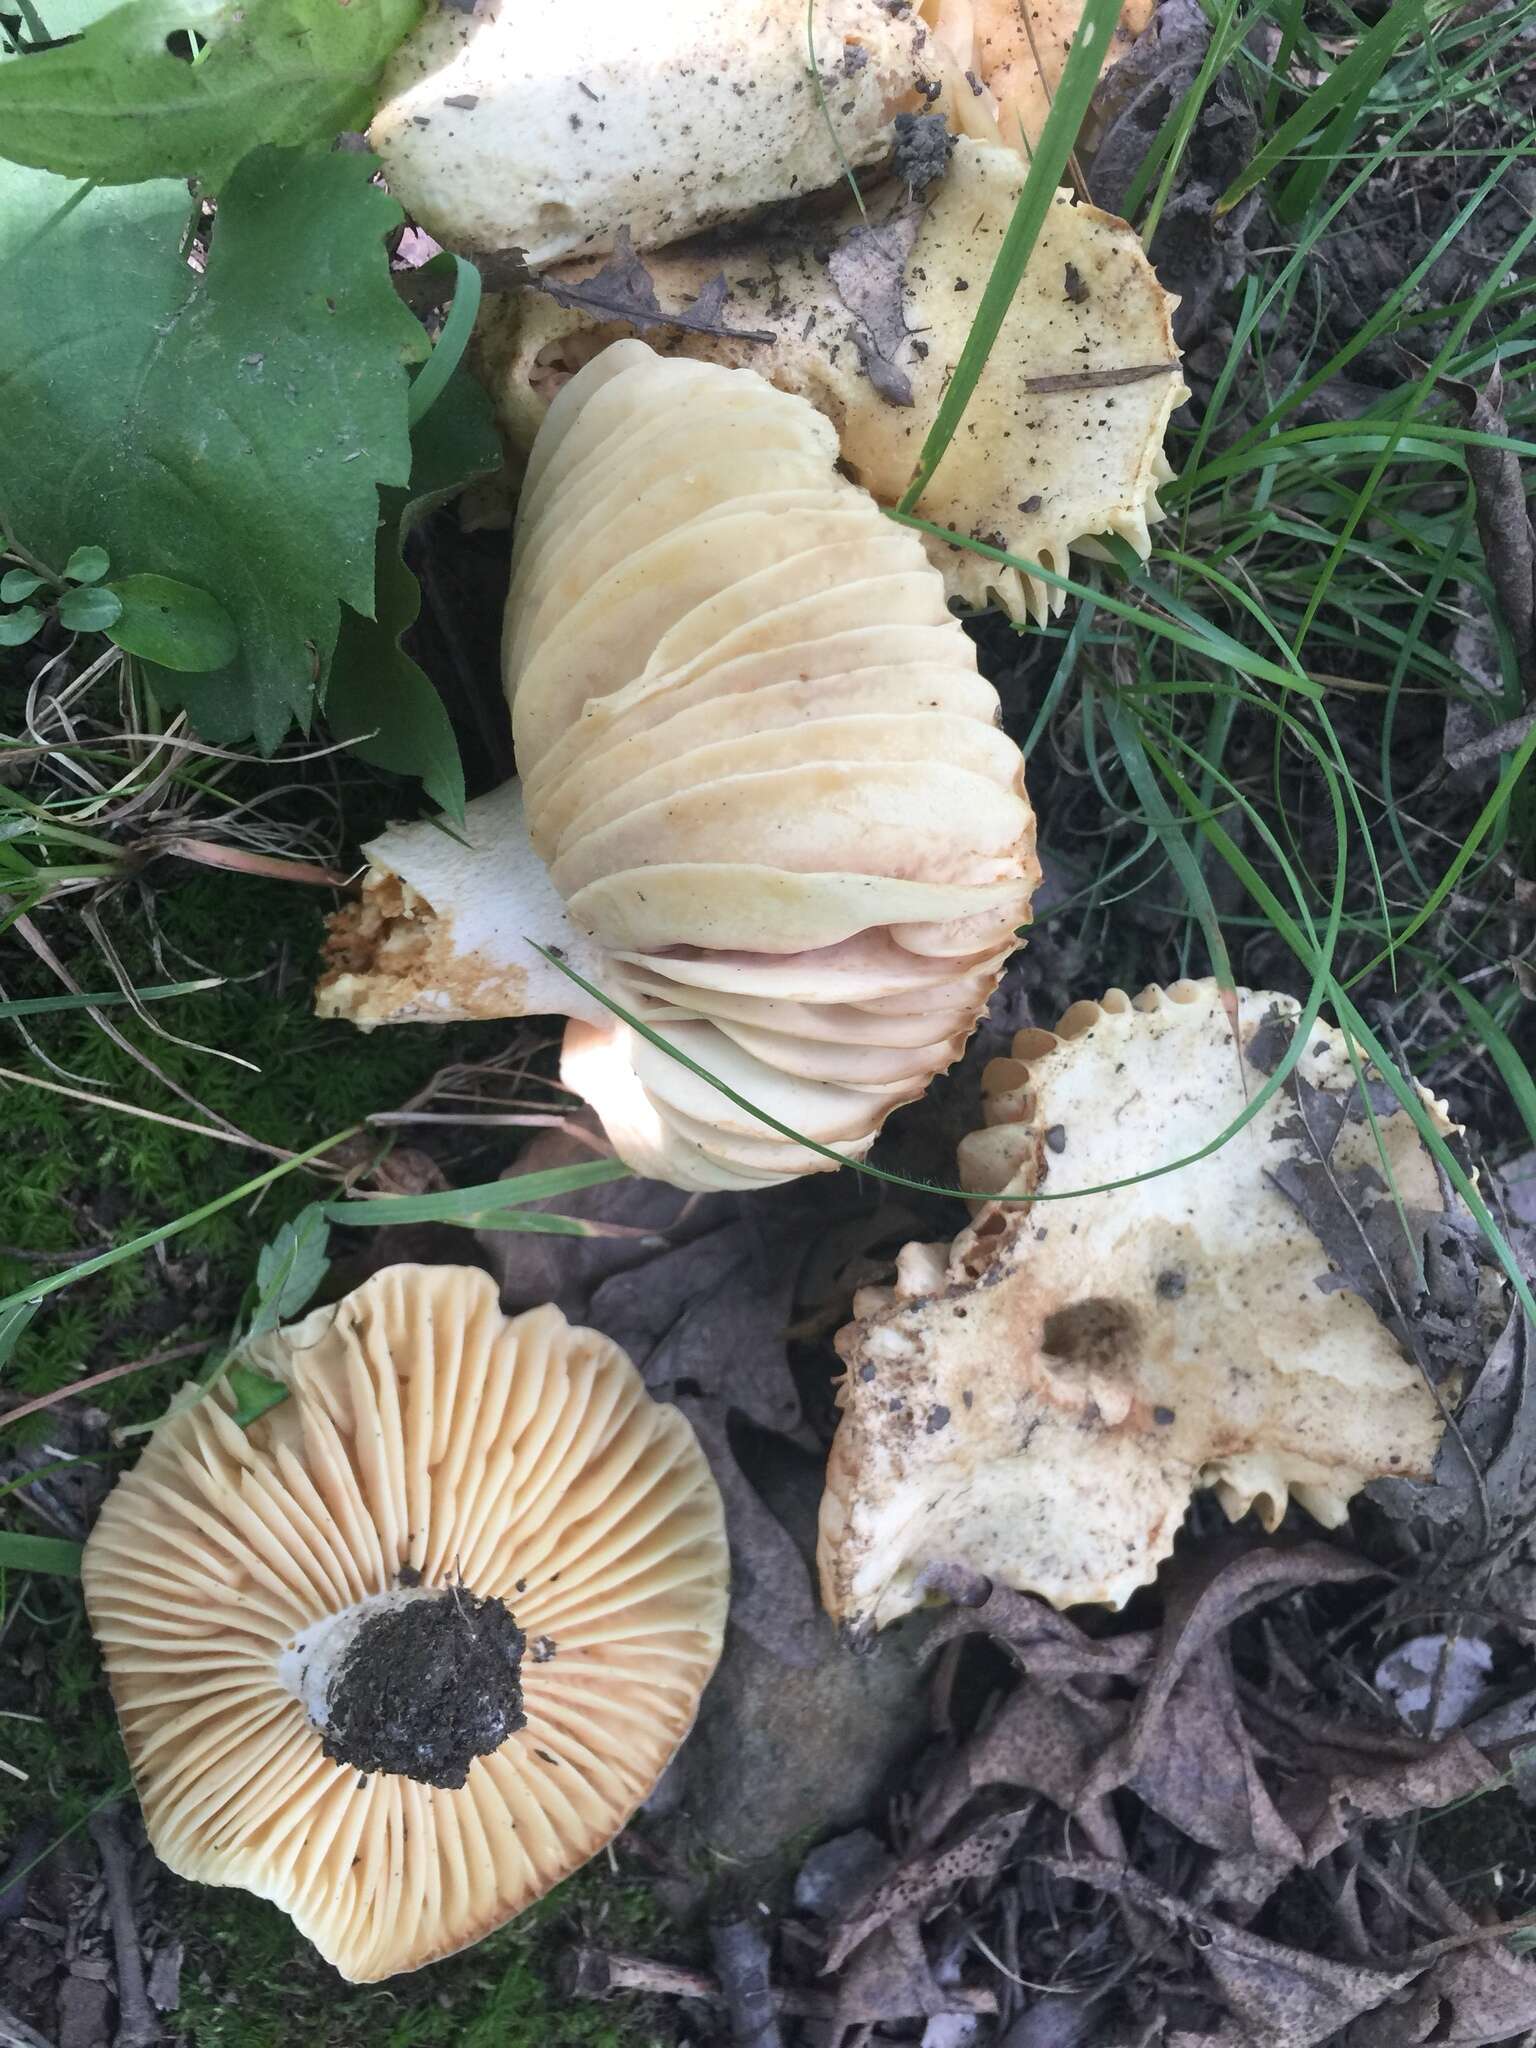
x=407, y=1649
x=1062, y=440
x=765, y=806
x=1005, y=60
x=1038, y=1401
x=550, y=130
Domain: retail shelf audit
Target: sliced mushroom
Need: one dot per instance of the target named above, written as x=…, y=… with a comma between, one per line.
x=781, y=826
x=1039, y=1401
x=403, y=1652
x=552, y=129
x=1062, y=441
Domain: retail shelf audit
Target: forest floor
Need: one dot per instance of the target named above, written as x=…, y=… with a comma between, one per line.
x=1224, y=1815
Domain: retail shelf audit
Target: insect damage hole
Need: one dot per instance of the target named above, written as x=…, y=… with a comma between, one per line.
x=1099, y=1335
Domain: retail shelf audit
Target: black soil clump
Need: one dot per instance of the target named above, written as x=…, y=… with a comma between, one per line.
x=428, y=1686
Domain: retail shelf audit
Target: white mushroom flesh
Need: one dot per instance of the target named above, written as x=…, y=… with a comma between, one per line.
x=1040, y=1400
x=765, y=776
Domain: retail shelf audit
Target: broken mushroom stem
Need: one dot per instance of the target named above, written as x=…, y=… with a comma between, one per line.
x=416, y=1682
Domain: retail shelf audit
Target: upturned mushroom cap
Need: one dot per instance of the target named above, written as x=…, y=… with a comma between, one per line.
x=1015, y=51
x=551, y=129
x=1040, y=1400
x=761, y=768
x=1063, y=438
x=469, y=1558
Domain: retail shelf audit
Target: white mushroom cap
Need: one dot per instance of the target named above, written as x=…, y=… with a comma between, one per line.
x=765, y=776
x=430, y=1450
x=1040, y=1400
x=551, y=129
x=1041, y=464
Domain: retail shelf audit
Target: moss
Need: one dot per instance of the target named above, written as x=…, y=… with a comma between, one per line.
x=248, y=1982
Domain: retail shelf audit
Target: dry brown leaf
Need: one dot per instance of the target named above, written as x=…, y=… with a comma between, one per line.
x=925, y=1881
x=868, y=269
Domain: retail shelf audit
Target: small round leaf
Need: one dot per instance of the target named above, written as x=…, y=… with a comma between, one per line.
x=16, y=584
x=86, y=565
x=16, y=628
x=173, y=624
x=91, y=609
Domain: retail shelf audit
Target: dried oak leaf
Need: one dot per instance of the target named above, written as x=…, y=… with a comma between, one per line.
x=868, y=269
x=1280, y=1997
x=624, y=289
x=927, y=1880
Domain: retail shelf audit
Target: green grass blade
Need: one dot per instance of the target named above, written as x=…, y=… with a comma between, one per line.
x=479, y=1208
x=1513, y=1071
x=1366, y=60
x=49, y=1554
x=430, y=380
x=47, y=1006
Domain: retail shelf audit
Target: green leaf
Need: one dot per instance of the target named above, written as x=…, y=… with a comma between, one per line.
x=90, y=610
x=17, y=628
x=255, y=1392
x=119, y=105
x=228, y=430
x=40, y=1554
x=291, y=1267
x=16, y=584
x=174, y=624
x=86, y=565
x=378, y=698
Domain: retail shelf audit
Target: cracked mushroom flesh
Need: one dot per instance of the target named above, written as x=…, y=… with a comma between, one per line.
x=765, y=802
x=551, y=129
x=407, y=1649
x=1038, y=1401
x=1062, y=440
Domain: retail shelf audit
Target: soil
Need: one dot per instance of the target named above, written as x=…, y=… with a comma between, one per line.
x=427, y=1687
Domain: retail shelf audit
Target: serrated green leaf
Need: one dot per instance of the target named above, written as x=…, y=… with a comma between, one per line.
x=18, y=627
x=228, y=430
x=375, y=688
x=291, y=1267
x=16, y=584
x=49, y=1554
x=255, y=1392
x=90, y=609
x=87, y=565
x=173, y=625
x=118, y=105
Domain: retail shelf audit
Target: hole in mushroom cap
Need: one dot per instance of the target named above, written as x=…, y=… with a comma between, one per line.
x=1099, y=1334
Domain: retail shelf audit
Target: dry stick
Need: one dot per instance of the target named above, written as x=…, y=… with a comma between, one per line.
x=15, y=2033
x=137, y=2026
x=1489, y=745
x=113, y=1372
x=744, y=1960
x=598, y=1973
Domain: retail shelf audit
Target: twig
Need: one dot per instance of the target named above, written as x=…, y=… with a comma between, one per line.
x=113, y=1372
x=15, y=2033
x=599, y=1973
x=137, y=2026
x=744, y=1960
x=1489, y=745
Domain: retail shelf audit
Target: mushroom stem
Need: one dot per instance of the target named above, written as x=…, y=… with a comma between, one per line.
x=447, y=923
x=416, y=1682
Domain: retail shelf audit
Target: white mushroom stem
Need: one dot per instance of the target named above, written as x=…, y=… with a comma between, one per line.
x=310, y=1665
x=448, y=925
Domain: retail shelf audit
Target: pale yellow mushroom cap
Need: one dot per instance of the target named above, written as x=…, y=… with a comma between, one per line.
x=551, y=129
x=763, y=785
x=1062, y=441
x=1040, y=1400
x=430, y=1450
x=1015, y=51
